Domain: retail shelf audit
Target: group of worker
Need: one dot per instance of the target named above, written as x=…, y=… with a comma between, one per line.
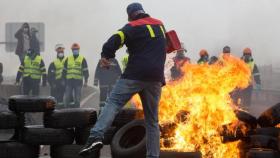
x=240, y=96
x=66, y=75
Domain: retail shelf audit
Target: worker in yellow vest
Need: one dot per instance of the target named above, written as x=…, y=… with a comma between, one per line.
x=246, y=94
x=56, y=82
x=75, y=70
x=33, y=70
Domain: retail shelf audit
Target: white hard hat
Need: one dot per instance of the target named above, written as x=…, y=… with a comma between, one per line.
x=59, y=46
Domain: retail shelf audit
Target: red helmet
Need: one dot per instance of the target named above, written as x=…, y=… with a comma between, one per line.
x=203, y=52
x=75, y=46
x=247, y=51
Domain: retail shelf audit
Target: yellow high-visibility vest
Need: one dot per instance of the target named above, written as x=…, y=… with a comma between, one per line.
x=32, y=67
x=74, y=68
x=251, y=65
x=59, y=65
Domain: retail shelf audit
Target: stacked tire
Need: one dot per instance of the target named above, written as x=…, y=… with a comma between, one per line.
x=14, y=119
x=12, y=148
x=80, y=120
x=265, y=142
x=65, y=130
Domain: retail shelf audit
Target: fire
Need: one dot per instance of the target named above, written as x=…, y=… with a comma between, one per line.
x=198, y=104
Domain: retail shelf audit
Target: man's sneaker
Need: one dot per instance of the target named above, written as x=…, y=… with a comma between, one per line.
x=92, y=145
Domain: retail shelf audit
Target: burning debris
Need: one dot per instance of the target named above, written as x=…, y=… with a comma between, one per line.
x=195, y=108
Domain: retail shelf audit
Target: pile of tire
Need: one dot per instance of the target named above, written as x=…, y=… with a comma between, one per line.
x=261, y=139
x=265, y=140
x=65, y=130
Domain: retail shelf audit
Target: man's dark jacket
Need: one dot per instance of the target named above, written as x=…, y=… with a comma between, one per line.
x=145, y=40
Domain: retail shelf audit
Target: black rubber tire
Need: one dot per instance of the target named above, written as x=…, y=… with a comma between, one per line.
x=18, y=150
x=68, y=118
x=247, y=118
x=269, y=131
x=81, y=135
x=270, y=117
x=173, y=154
x=69, y=151
x=109, y=134
x=244, y=147
x=125, y=116
x=9, y=120
x=262, y=141
x=38, y=135
x=22, y=103
x=130, y=141
x=262, y=153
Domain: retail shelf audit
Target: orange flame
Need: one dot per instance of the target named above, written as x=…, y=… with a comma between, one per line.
x=203, y=93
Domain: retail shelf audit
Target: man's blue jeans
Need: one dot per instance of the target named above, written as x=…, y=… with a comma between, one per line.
x=122, y=92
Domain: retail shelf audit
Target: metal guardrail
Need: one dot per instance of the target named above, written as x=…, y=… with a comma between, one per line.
x=265, y=97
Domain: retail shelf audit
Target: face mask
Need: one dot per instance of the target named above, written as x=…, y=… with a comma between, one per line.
x=75, y=52
x=247, y=58
x=60, y=54
x=205, y=57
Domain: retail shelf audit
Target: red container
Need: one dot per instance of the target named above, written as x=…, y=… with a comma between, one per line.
x=173, y=42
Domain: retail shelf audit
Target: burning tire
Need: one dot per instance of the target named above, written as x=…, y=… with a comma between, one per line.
x=270, y=117
x=37, y=135
x=22, y=103
x=262, y=153
x=247, y=118
x=262, y=141
x=69, y=151
x=130, y=141
x=68, y=118
x=171, y=154
x=18, y=150
x=269, y=131
x=125, y=116
x=9, y=120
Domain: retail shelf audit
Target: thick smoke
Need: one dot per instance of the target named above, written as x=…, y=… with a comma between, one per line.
x=199, y=23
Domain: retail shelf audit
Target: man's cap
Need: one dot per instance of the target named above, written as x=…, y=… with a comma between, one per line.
x=134, y=9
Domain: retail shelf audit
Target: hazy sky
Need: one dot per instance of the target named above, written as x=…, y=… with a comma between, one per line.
x=208, y=24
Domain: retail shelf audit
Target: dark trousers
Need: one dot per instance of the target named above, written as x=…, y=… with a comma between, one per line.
x=30, y=86
x=73, y=88
x=57, y=91
x=105, y=91
x=246, y=96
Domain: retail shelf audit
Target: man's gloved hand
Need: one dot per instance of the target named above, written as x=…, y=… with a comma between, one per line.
x=258, y=87
x=105, y=63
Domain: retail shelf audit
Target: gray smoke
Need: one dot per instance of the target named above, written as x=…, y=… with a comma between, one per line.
x=199, y=23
